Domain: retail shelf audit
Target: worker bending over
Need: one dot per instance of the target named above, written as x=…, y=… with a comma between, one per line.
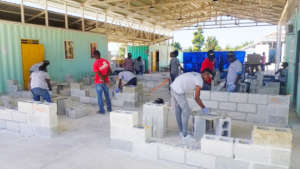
x=39, y=84
x=126, y=78
x=234, y=72
x=183, y=84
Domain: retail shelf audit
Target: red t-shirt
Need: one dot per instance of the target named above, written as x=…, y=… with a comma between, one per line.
x=102, y=66
x=207, y=64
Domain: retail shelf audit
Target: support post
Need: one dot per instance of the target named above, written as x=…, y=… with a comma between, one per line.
x=22, y=11
x=46, y=13
x=66, y=16
x=82, y=19
x=278, y=48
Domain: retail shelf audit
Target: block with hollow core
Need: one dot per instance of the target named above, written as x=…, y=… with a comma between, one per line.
x=122, y=118
x=204, y=124
x=223, y=127
x=271, y=136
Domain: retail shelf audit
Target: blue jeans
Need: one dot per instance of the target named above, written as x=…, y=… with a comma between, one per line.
x=231, y=88
x=100, y=88
x=39, y=92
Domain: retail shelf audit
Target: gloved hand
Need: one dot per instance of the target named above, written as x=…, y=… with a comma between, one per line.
x=205, y=110
x=117, y=90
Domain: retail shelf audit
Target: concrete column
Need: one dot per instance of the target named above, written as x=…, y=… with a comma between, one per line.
x=66, y=16
x=22, y=11
x=82, y=19
x=278, y=48
x=46, y=13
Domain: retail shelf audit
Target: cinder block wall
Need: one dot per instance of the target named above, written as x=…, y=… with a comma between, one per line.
x=256, y=108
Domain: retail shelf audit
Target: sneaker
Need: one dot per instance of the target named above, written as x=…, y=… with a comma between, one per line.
x=188, y=139
x=181, y=135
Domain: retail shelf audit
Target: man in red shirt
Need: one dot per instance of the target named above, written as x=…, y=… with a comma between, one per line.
x=208, y=63
x=101, y=67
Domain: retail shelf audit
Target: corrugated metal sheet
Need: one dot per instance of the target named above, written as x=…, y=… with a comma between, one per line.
x=137, y=51
x=53, y=41
x=291, y=49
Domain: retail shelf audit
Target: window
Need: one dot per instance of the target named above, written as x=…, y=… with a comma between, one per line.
x=93, y=47
x=69, y=50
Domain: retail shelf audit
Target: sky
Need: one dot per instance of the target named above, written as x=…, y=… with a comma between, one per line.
x=226, y=36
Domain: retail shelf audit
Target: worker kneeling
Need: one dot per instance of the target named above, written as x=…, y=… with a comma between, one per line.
x=126, y=78
x=186, y=83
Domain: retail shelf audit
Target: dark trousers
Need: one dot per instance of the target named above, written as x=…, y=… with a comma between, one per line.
x=133, y=82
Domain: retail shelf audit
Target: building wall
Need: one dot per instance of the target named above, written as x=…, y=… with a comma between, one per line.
x=53, y=41
x=164, y=51
x=137, y=51
x=291, y=50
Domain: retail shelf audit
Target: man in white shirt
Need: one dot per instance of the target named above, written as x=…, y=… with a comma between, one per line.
x=127, y=78
x=36, y=66
x=186, y=83
x=234, y=72
x=39, y=83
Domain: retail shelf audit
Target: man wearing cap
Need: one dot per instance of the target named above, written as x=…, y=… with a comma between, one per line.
x=36, y=66
x=183, y=84
x=208, y=63
x=234, y=72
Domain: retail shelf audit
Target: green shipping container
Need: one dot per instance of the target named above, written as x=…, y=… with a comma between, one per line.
x=142, y=51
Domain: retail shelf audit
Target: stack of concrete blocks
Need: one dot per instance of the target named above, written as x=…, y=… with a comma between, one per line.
x=76, y=90
x=31, y=119
x=9, y=101
x=269, y=148
x=223, y=127
x=12, y=86
x=75, y=110
x=132, y=96
x=60, y=102
x=152, y=81
x=204, y=124
x=256, y=108
x=155, y=117
x=124, y=136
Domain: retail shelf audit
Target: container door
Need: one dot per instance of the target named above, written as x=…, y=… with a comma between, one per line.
x=31, y=54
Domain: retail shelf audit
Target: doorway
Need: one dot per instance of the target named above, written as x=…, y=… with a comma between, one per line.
x=32, y=53
x=155, y=61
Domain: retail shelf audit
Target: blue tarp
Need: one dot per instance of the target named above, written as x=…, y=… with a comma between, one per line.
x=192, y=60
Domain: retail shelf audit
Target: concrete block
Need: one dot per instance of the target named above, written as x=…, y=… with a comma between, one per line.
x=249, y=108
x=265, y=166
x=76, y=113
x=260, y=117
x=209, y=104
x=46, y=108
x=13, y=126
x=2, y=124
x=19, y=116
x=237, y=115
x=216, y=145
x=155, y=116
x=279, y=99
x=281, y=157
x=146, y=150
x=132, y=97
x=11, y=82
x=199, y=159
x=5, y=114
x=25, y=106
x=205, y=95
x=278, y=121
x=120, y=118
x=171, y=153
x=78, y=92
x=270, y=136
x=229, y=163
x=245, y=150
x=223, y=127
x=26, y=130
x=121, y=145
x=257, y=99
x=130, y=104
x=75, y=86
x=278, y=110
x=45, y=132
x=130, y=89
x=238, y=97
x=227, y=106
x=138, y=119
x=219, y=96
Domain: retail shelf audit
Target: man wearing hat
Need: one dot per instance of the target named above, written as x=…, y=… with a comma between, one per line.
x=234, y=72
x=208, y=63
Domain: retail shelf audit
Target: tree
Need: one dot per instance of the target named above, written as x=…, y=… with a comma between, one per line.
x=189, y=49
x=211, y=43
x=198, y=40
x=176, y=46
x=122, y=52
